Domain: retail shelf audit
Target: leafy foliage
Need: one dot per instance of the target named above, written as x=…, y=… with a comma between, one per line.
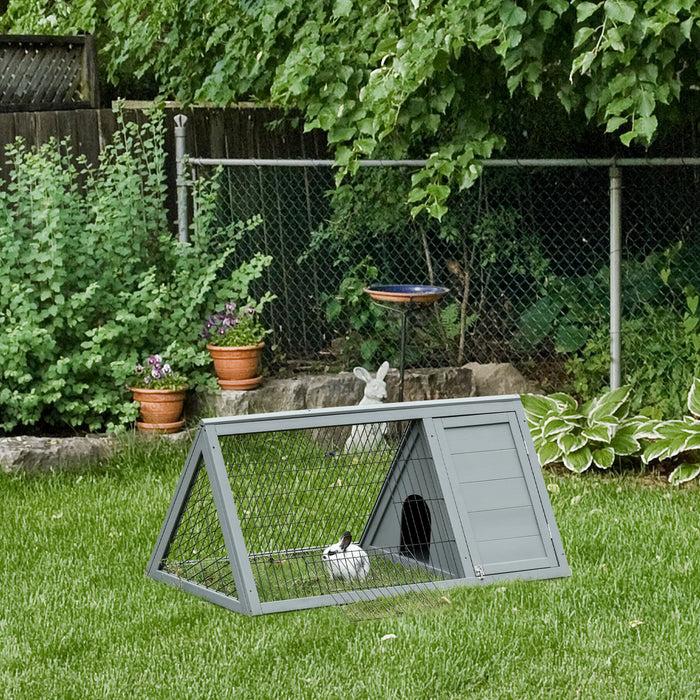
x=395, y=79
x=601, y=430
x=679, y=437
x=660, y=378
x=91, y=278
x=594, y=433
x=231, y=328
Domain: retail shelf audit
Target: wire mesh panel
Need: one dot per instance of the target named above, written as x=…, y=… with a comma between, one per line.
x=197, y=551
x=355, y=506
x=525, y=254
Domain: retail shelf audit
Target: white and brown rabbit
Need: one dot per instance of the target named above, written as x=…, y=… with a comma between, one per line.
x=369, y=436
x=346, y=560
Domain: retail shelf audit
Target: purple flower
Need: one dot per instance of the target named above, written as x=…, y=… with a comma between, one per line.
x=250, y=311
x=138, y=369
x=155, y=361
x=222, y=331
x=146, y=380
x=167, y=369
x=230, y=307
x=156, y=373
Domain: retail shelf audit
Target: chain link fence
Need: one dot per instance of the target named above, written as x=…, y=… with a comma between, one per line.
x=525, y=253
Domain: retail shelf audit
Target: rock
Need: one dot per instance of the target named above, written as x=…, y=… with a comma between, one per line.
x=312, y=391
x=343, y=389
x=40, y=454
x=429, y=384
x=499, y=378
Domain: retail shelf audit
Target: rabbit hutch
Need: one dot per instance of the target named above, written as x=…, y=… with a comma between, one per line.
x=282, y=511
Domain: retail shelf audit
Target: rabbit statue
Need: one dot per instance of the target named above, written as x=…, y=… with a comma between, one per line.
x=346, y=560
x=369, y=436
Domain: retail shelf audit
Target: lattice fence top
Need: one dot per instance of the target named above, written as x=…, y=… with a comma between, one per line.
x=46, y=72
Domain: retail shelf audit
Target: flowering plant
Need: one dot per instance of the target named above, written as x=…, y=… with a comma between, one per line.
x=154, y=373
x=227, y=328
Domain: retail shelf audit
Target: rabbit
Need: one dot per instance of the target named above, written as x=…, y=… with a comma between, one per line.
x=370, y=436
x=346, y=560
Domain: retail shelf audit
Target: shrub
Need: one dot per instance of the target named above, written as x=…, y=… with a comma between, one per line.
x=91, y=280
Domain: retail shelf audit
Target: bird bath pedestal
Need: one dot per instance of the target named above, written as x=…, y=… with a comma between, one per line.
x=404, y=298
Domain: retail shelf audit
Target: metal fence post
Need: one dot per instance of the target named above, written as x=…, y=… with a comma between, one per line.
x=615, y=276
x=180, y=150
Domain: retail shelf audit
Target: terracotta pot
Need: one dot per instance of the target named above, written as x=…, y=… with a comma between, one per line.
x=160, y=409
x=238, y=368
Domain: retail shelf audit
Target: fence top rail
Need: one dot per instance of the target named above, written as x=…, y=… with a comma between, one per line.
x=488, y=163
x=43, y=39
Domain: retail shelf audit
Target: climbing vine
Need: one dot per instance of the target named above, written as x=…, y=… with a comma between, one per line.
x=390, y=78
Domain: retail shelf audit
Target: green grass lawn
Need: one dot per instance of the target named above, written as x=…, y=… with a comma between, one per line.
x=78, y=618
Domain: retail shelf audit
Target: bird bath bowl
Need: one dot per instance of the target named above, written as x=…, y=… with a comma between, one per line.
x=405, y=293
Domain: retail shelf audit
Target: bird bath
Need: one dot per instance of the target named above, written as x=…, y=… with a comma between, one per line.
x=404, y=298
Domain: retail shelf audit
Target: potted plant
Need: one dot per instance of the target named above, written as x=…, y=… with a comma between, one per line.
x=160, y=393
x=235, y=343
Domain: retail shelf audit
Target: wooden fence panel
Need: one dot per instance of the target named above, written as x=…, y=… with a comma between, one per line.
x=211, y=133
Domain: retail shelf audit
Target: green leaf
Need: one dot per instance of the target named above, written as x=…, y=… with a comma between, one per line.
x=615, y=123
x=564, y=400
x=662, y=449
x=555, y=426
x=582, y=35
x=549, y=452
x=604, y=457
x=620, y=10
x=569, y=442
x=684, y=473
x=625, y=445
x=537, y=406
x=598, y=433
x=511, y=15
x=578, y=461
x=610, y=405
x=585, y=9
x=694, y=398
x=342, y=8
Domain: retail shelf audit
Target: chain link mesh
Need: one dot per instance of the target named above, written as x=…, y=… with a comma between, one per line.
x=525, y=255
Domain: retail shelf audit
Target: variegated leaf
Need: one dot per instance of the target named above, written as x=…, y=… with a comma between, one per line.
x=578, y=461
x=624, y=442
x=537, y=406
x=604, y=457
x=569, y=442
x=599, y=433
x=645, y=428
x=665, y=448
x=554, y=426
x=612, y=403
x=684, y=473
x=694, y=398
x=548, y=453
x=564, y=400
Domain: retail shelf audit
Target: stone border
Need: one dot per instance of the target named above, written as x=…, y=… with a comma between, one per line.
x=45, y=454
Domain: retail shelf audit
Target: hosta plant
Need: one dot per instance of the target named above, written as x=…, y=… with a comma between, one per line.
x=674, y=438
x=593, y=433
